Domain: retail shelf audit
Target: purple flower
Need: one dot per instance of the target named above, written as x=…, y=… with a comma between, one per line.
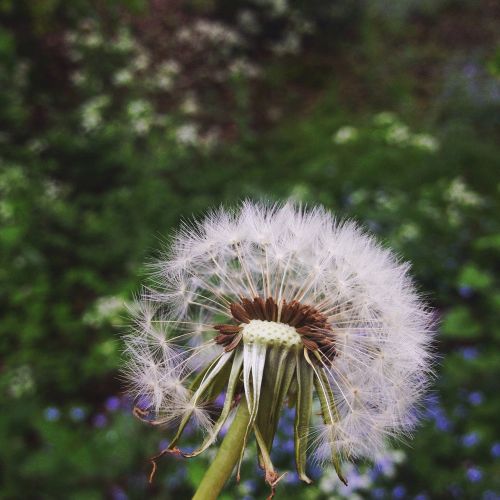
x=475, y=398
x=219, y=401
x=442, y=423
x=113, y=403
x=288, y=445
x=52, y=414
x=465, y=291
x=421, y=496
x=379, y=493
x=436, y=412
x=469, y=353
x=144, y=402
x=474, y=474
x=292, y=478
x=384, y=465
x=77, y=413
x=118, y=494
x=100, y=420
x=495, y=450
x=399, y=491
x=470, y=439
x=490, y=495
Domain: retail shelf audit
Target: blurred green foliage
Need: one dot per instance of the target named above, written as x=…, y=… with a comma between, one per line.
x=117, y=119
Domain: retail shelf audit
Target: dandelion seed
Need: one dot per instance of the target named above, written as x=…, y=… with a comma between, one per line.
x=276, y=304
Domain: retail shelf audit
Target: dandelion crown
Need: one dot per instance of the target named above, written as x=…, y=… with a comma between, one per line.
x=272, y=305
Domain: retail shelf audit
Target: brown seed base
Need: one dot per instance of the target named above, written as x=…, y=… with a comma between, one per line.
x=309, y=323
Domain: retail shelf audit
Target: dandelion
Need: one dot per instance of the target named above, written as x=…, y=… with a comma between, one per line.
x=271, y=305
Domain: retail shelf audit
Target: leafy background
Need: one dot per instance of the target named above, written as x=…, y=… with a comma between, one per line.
x=118, y=118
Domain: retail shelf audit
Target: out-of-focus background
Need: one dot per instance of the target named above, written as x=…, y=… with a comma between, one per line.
x=118, y=118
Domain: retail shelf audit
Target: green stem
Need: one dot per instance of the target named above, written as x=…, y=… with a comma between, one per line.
x=229, y=452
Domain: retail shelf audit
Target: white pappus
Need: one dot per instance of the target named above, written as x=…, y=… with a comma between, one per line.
x=274, y=304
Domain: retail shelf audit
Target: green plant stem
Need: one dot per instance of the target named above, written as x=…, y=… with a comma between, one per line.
x=229, y=452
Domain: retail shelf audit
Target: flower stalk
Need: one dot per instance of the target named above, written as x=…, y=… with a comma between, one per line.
x=227, y=456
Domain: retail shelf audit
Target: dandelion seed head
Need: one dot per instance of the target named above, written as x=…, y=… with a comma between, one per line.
x=240, y=283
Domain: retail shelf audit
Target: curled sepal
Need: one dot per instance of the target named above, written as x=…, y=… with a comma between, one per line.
x=328, y=407
x=303, y=412
x=272, y=477
x=207, y=380
x=254, y=360
x=228, y=402
x=217, y=384
x=278, y=374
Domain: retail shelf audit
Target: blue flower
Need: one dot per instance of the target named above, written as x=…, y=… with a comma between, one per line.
x=118, y=494
x=490, y=495
x=421, y=496
x=292, y=478
x=52, y=414
x=436, y=412
x=495, y=450
x=288, y=446
x=465, y=291
x=470, y=439
x=144, y=402
x=474, y=474
x=100, y=420
x=399, y=491
x=469, y=353
x=77, y=413
x=113, y=403
x=379, y=493
x=475, y=398
x=219, y=400
x=442, y=423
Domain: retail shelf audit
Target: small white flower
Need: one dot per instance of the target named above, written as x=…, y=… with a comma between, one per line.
x=244, y=68
x=458, y=193
x=104, y=309
x=397, y=134
x=276, y=303
x=190, y=105
x=187, y=134
x=138, y=108
x=425, y=142
x=345, y=134
x=92, y=112
x=141, y=60
x=123, y=77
